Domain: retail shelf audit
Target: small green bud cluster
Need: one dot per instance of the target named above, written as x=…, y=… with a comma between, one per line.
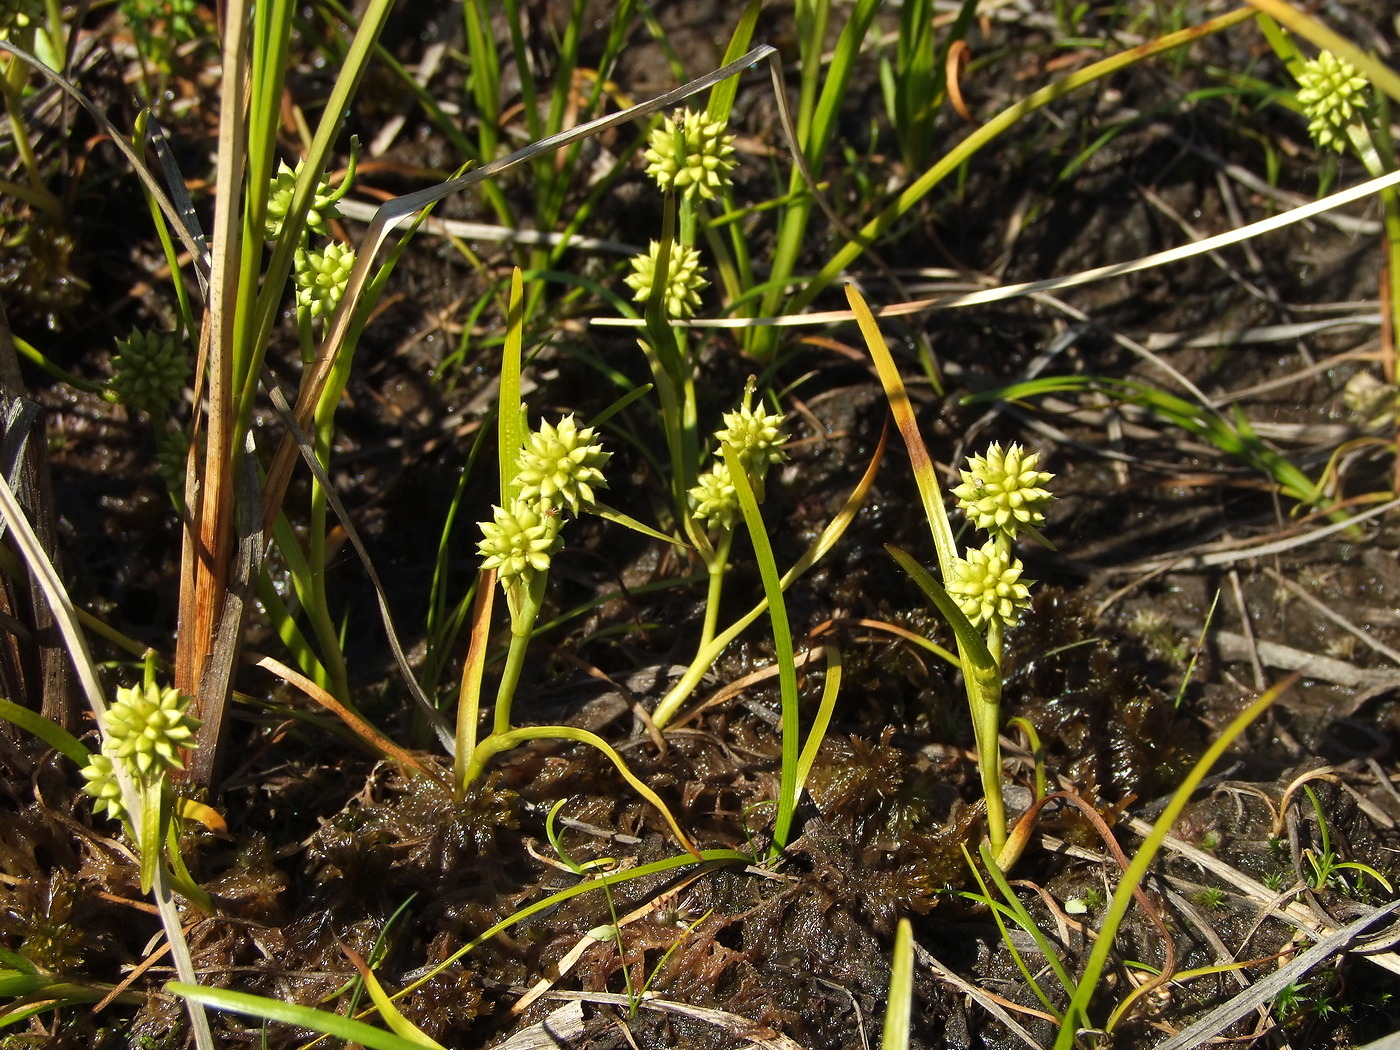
x=172, y=459
x=20, y=20
x=1003, y=494
x=758, y=438
x=558, y=468
x=683, y=281
x=321, y=277
x=694, y=157
x=1371, y=400
x=713, y=500
x=145, y=729
x=279, y=201
x=149, y=371
x=1333, y=96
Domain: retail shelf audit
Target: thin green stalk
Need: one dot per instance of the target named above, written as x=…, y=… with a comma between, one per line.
x=317, y=604
x=716, y=564
x=825, y=707
x=1017, y=911
x=522, y=624
x=985, y=704
x=469, y=692
x=284, y=625
x=679, y=693
x=981, y=672
x=899, y=1002
x=818, y=113
x=19, y=135
x=167, y=243
x=279, y=266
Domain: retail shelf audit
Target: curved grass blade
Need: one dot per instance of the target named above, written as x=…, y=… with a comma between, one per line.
x=266, y=1009
x=401, y=1025
x=496, y=743
x=830, y=688
x=47, y=730
x=1146, y=853
x=1003, y=121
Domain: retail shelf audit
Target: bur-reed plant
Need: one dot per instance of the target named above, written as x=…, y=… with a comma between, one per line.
x=981, y=594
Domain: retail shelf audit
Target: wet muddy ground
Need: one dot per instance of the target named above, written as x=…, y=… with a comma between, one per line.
x=1147, y=635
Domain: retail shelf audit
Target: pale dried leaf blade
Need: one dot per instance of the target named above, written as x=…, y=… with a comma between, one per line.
x=1267, y=989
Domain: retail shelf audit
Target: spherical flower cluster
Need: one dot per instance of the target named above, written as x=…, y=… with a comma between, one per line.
x=103, y=787
x=279, y=200
x=560, y=466
x=149, y=371
x=756, y=435
x=321, y=277
x=987, y=586
x=694, y=157
x=520, y=541
x=146, y=728
x=713, y=501
x=1332, y=94
x=683, y=280
x=1002, y=491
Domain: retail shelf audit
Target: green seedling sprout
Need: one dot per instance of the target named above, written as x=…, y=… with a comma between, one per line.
x=584, y=869
x=1326, y=865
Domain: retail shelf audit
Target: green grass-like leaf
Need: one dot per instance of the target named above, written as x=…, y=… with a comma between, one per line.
x=1147, y=852
x=782, y=643
x=47, y=730
x=275, y=1010
x=901, y=998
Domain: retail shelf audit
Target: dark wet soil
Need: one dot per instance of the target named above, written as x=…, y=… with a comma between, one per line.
x=1127, y=669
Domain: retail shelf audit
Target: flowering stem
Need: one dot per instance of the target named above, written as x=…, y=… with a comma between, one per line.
x=986, y=726
x=715, y=564
x=316, y=604
x=523, y=612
